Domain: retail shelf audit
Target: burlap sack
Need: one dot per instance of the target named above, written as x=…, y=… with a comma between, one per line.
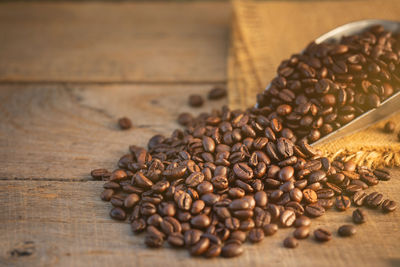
x=265, y=33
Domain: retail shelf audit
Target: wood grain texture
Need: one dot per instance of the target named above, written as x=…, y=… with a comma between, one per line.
x=63, y=132
x=114, y=42
x=70, y=226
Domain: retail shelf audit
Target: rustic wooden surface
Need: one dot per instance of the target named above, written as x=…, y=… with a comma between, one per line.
x=53, y=133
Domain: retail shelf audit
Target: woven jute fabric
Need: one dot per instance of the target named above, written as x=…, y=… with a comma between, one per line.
x=266, y=32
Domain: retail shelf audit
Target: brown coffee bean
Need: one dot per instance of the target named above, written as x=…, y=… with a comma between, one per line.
x=200, y=221
x=346, y=230
x=243, y=171
x=196, y=100
x=301, y=232
x=118, y=214
x=322, y=235
x=192, y=237
x=217, y=93
x=213, y=251
x=302, y=221
x=256, y=235
x=200, y=247
x=287, y=218
x=176, y=240
x=310, y=196
x=342, y=203
x=389, y=205
x=374, y=200
x=100, y=174
x=107, y=194
x=359, y=216
x=359, y=198
x=231, y=250
x=270, y=229
x=290, y=242
x=125, y=123
x=315, y=210
x=382, y=174
x=138, y=225
x=185, y=119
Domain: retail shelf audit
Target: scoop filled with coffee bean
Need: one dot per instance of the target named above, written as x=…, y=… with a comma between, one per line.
x=233, y=176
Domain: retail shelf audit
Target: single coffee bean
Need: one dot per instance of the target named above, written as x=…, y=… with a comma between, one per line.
x=200, y=247
x=243, y=171
x=118, y=214
x=359, y=198
x=185, y=119
x=238, y=235
x=302, y=221
x=389, y=127
x=382, y=174
x=213, y=251
x=315, y=210
x=192, y=237
x=176, y=240
x=287, y=218
x=322, y=235
x=107, y=194
x=217, y=93
x=200, y=221
x=125, y=123
x=290, y=242
x=342, y=203
x=196, y=100
x=256, y=235
x=270, y=229
x=389, y=205
x=100, y=174
x=347, y=230
x=301, y=232
x=359, y=216
x=310, y=196
x=374, y=200
x=231, y=250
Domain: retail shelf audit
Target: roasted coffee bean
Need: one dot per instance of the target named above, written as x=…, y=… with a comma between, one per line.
x=326, y=203
x=176, y=240
x=302, y=221
x=200, y=247
x=287, y=218
x=118, y=214
x=322, y=235
x=315, y=210
x=192, y=237
x=342, y=203
x=100, y=174
x=213, y=251
x=389, y=205
x=301, y=232
x=347, y=230
x=185, y=119
x=196, y=100
x=359, y=198
x=124, y=123
x=270, y=229
x=230, y=250
x=200, y=221
x=256, y=235
x=325, y=193
x=310, y=196
x=382, y=174
x=217, y=93
x=290, y=242
x=107, y=194
x=374, y=200
x=243, y=171
x=359, y=216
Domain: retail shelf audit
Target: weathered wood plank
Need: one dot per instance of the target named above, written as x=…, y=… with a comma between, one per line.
x=109, y=42
x=62, y=132
x=69, y=226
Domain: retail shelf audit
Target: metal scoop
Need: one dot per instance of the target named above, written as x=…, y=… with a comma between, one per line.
x=388, y=107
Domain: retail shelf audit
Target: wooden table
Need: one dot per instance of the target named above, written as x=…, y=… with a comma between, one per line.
x=68, y=71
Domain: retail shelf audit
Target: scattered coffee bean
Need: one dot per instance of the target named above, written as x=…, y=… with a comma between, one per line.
x=233, y=175
x=125, y=123
x=347, y=230
x=301, y=232
x=388, y=205
x=322, y=235
x=270, y=229
x=196, y=100
x=359, y=216
x=290, y=242
x=217, y=93
x=389, y=127
x=342, y=203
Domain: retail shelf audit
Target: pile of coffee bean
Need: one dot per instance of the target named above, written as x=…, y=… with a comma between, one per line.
x=229, y=177
x=236, y=176
x=330, y=84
